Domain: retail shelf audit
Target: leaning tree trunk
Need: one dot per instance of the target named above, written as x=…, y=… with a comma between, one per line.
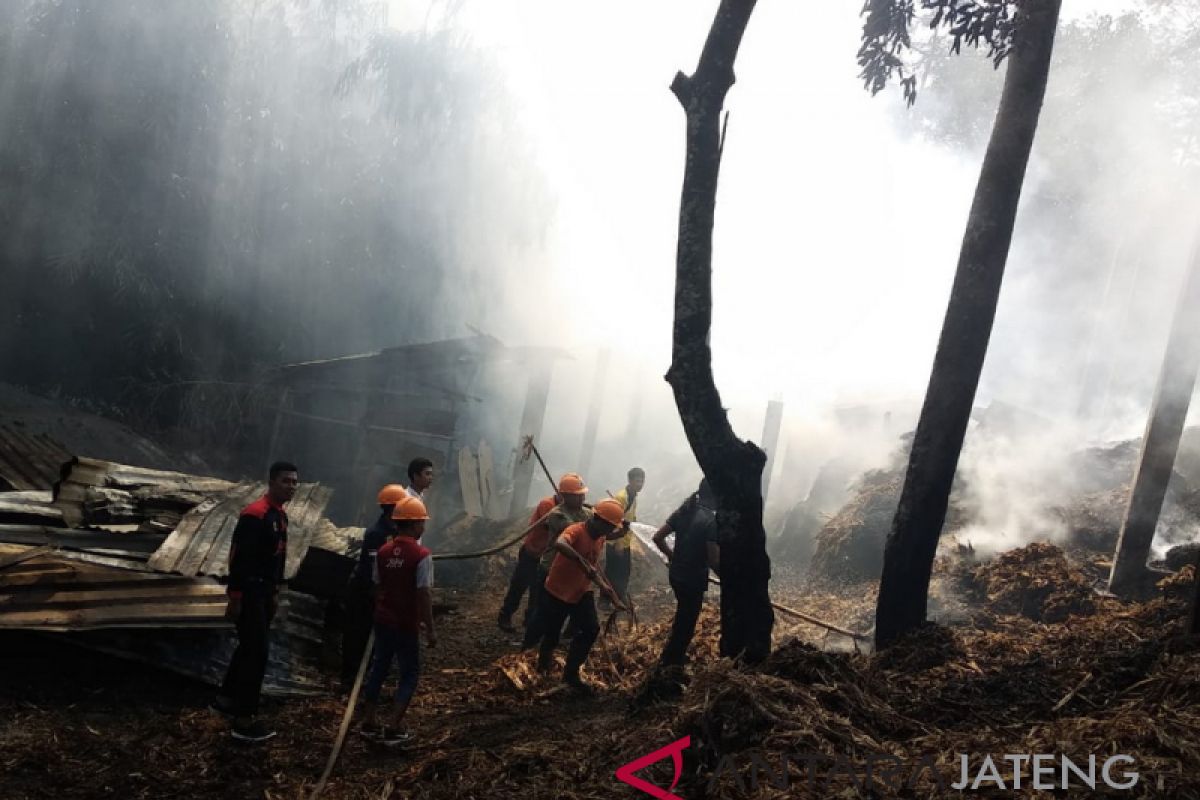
x=733, y=467
x=909, y=553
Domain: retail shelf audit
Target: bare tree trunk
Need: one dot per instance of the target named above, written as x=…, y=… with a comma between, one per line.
x=733, y=467
x=1193, y=627
x=1168, y=411
x=911, y=545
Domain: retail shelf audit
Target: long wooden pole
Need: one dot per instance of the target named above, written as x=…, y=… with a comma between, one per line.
x=346, y=717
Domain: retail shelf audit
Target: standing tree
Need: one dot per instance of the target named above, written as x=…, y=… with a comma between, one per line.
x=1023, y=33
x=732, y=466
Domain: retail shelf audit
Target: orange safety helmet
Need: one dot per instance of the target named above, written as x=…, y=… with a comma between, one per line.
x=610, y=511
x=391, y=494
x=410, y=509
x=571, y=483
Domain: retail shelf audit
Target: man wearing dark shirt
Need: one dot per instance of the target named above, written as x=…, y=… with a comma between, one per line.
x=257, y=562
x=526, y=570
x=695, y=551
x=360, y=593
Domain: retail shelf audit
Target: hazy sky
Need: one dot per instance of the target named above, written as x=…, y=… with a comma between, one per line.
x=830, y=285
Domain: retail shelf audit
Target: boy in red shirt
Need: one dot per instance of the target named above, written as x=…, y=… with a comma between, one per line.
x=568, y=588
x=404, y=574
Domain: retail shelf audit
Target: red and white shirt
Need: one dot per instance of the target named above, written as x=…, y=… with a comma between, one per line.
x=402, y=566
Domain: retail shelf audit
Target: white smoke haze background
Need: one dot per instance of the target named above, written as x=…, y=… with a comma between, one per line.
x=393, y=172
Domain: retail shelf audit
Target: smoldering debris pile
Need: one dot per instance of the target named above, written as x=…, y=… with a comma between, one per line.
x=1115, y=681
x=849, y=546
x=1115, y=678
x=1092, y=516
x=1035, y=582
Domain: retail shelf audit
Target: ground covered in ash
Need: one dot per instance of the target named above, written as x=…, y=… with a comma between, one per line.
x=1038, y=664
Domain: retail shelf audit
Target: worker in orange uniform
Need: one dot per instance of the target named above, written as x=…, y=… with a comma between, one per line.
x=525, y=573
x=360, y=592
x=404, y=575
x=568, y=589
x=569, y=511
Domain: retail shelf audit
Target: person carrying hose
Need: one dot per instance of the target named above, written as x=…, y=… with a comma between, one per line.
x=569, y=512
x=568, y=591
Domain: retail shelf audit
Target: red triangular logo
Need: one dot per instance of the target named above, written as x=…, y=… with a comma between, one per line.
x=674, y=750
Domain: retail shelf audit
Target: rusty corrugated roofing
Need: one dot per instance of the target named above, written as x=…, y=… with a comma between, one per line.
x=29, y=461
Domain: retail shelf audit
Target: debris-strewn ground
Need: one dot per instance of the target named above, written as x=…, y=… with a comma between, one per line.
x=1103, y=678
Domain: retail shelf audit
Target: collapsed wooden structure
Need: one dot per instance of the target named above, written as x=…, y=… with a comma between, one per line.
x=129, y=561
x=356, y=421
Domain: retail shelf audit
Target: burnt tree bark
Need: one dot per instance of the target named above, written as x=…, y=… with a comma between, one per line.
x=733, y=467
x=912, y=542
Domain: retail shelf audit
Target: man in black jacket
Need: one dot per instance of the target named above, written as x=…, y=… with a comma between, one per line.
x=695, y=552
x=257, y=558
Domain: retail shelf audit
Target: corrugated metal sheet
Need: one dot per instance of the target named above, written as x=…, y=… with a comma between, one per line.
x=199, y=545
x=30, y=508
x=50, y=593
x=293, y=667
x=131, y=546
x=29, y=461
x=97, y=492
x=170, y=621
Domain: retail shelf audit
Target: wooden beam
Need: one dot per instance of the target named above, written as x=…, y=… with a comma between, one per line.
x=770, y=442
x=595, y=406
x=375, y=428
x=531, y=425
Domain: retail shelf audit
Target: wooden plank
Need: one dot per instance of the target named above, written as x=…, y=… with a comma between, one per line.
x=468, y=479
x=487, y=486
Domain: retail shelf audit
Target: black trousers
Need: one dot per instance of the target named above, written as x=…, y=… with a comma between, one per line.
x=356, y=628
x=688, y=602
x=524, y=578
x=535, y=624
x=243, y=680
x=618, y=564
x=582, y=615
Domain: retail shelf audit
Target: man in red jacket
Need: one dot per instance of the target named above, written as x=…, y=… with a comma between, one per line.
x=404, y=574
x=257, y=560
